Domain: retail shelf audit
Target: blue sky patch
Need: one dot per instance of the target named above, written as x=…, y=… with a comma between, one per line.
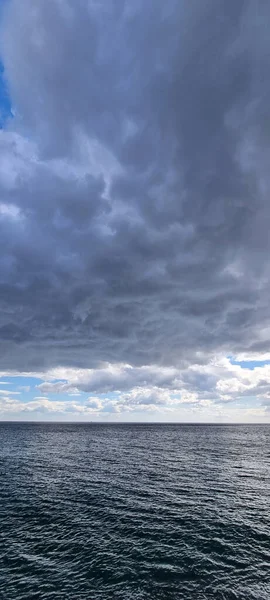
x=5, y=103
x=249, y=364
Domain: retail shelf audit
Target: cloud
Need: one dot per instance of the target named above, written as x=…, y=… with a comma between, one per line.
x=219, y=379
x=108, y=378
x=220, y=389
x=146, y=397
x=45, y=406
x=216, y=383
x=134, y=185
x=94, y=403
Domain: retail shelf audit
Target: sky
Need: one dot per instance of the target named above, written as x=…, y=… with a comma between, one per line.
x=134, y=210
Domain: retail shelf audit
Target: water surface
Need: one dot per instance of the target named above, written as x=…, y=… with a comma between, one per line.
x=134, y=512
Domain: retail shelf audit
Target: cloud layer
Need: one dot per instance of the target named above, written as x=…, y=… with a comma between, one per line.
x=134, y=209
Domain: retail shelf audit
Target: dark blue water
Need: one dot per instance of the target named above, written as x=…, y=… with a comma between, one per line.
x=134, y=512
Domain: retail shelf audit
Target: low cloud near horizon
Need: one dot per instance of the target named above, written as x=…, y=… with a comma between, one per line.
x=134, y=210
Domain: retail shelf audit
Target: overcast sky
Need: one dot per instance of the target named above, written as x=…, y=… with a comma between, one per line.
x=134, y=210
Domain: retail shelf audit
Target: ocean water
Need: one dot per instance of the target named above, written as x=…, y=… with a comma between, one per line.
x=134, y=512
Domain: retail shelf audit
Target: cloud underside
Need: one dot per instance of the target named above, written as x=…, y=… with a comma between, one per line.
x=134, y=209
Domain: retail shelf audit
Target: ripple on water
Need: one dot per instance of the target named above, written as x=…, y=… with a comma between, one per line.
x=134, y=512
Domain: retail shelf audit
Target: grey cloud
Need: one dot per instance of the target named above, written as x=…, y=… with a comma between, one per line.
x=217, y=382
x=137, y=160
x=110, y=379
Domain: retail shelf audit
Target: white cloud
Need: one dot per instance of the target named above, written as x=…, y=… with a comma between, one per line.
x=9, y=392
x=43, y=405
x=94, y=403
x=137, y=388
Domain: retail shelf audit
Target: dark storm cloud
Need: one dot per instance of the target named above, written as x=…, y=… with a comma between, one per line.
x=134, y=211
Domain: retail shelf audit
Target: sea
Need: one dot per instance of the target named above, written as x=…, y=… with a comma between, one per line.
x=134, y=511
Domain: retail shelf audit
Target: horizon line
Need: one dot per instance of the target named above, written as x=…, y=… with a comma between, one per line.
x=136, y=422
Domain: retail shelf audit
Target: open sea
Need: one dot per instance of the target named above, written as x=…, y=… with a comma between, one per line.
x=134, y=512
